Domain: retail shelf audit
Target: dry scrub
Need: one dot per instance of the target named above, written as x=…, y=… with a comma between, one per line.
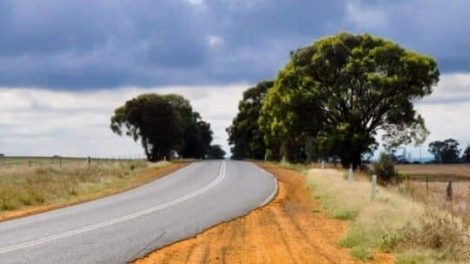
x=26, y=189
x=392, y=222
x=291, y=229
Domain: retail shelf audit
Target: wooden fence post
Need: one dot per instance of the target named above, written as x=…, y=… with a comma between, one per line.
x=374, y=187
x=449, y=191
x=350, y=174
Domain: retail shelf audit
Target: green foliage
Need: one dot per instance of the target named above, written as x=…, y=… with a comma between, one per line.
x=466, y=155
x=446, y=151
x=361, y=253
x=215, y=152
x=385, y=167
x=341, y=91
x=196, y=133
x=244, y=133
x=163, y=123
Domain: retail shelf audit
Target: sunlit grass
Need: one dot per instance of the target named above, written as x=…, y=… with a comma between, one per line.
x=24, y=184
x=392, y=222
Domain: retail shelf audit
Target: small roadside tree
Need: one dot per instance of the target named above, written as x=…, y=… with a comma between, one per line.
x=384, y=167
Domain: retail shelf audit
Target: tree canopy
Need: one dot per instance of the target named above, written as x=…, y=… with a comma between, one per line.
x=215, y=152
x=244, y=133
x=339, y=92
x=466, y=155
x=446, y=151
x=163, y=123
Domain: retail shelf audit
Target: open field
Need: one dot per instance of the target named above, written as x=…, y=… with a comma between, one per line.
x=291, y=229
x=436, y=171
x=30, y=185
x=428, y=183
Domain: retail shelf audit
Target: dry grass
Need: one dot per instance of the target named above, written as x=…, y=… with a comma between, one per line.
x=25, y=188
x=461, y=170
x=392, y=221
x=434, y=192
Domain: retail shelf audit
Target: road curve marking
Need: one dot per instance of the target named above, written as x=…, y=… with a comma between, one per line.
x=121, y=219
x=275, y=190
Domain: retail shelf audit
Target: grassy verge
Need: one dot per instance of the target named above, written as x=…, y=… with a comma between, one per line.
x=390, y=223
x=28, y=189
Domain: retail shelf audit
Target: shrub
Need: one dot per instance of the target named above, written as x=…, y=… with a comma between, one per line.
x=384, y=168
x=438, y=232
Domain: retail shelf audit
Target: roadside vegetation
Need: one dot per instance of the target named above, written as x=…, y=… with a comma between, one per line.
x=393, y=222
x=32, y=183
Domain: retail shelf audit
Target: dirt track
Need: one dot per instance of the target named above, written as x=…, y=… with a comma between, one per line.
x=291, y=229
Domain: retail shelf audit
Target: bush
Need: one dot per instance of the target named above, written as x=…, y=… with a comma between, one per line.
x=384, y=168
x=441, y=233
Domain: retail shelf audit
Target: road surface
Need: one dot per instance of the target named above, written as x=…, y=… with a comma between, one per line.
x=123, y=227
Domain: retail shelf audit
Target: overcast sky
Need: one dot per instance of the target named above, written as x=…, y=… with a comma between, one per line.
x=66, y=64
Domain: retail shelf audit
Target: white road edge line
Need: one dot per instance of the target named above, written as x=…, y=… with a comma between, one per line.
x=121, y=219
x=274, y=192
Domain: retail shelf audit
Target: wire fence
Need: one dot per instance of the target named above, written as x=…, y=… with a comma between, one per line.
x=57, y=161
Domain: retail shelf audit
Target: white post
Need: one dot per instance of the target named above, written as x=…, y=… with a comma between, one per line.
x=283, y=160
x=265, y=157
x=322, y=164
x=374, y=187
x=350, y=175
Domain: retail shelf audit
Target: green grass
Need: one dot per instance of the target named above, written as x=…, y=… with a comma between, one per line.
x=45, y=180
x=391, y=223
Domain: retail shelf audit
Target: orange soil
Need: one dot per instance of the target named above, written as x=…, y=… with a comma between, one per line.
x=291, y=229
x=138, y=180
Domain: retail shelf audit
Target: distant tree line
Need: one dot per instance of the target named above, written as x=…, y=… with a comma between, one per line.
x=332, y=98
x=166, y=126
x=448, y=151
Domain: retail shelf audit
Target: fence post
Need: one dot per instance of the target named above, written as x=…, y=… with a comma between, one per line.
x=374, y=187
x=350, y=174
x=449, y=191
x=427, y=184
x=322, y=164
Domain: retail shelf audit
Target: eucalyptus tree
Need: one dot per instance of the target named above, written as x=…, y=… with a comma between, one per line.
x=342, y=90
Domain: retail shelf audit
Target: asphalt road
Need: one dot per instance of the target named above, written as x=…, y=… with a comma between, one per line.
x=123, y=227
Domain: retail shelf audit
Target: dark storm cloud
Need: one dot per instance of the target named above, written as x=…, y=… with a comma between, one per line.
x=83, y=44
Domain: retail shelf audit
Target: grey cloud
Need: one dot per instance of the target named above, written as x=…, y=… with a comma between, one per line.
x=85, y=44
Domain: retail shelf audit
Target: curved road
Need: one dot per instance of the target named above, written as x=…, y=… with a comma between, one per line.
x=123, y=227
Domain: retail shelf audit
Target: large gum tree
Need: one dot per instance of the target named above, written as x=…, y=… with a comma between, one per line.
x=342, y=90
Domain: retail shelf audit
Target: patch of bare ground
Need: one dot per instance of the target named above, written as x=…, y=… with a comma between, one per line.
x=291, y=229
